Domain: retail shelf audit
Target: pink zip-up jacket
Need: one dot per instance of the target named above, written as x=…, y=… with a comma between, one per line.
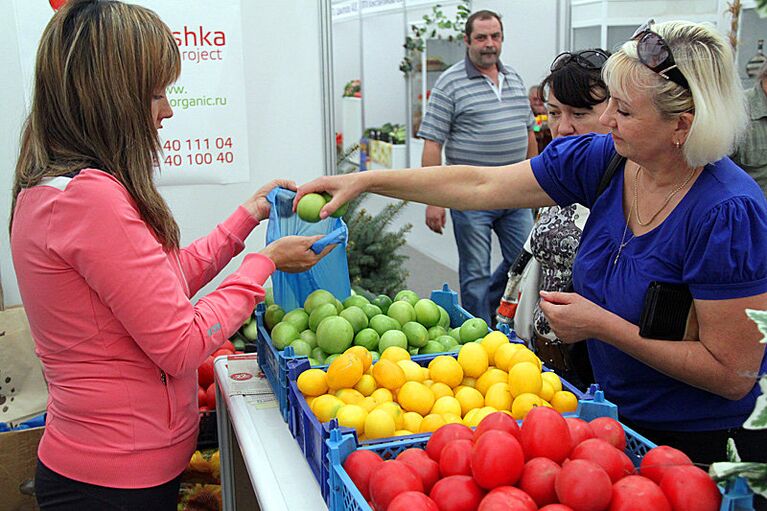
x=119, y=339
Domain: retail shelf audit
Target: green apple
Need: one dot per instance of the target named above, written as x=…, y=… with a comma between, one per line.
x=402, y=311
x=250, y=331
x=298, y=318
x=317, y=298
x=319, y=355
x=371, y=310
x=273, y=315
x=367, y=338
x=323, y=311
x=356, y=317
x=334, y=335
x=309, y=207
x=301, y=348
x=355, y=301
x=310, y=337
x=431, y=347
x=447, y=342
x=341, y=211
x=383, y=302
x=444, y=318
x=473, y=329
x=283, y=334
x=392, y=338
x=417, y=335
x=408, y=296
x=427, y=313
x=382, y=324
x=436, y=331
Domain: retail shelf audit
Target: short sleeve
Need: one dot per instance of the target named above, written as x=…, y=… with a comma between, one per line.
x=437, y=121
x=727, y=258
x=570, y=168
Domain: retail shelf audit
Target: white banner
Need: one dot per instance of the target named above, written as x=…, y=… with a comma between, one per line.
x=347, y=9
x=373, y=6
x=206, y=140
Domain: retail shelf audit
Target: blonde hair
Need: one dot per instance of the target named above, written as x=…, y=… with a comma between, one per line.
x=98, y=65
x=715, y=96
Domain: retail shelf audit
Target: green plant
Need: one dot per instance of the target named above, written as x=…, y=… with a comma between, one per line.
x=343, y=158
x=393, y=133
x=761, y=8
x=374, y=262
x=754, y=473
x=432, y=28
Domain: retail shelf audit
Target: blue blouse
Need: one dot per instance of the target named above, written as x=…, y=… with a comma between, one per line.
x=715, y=241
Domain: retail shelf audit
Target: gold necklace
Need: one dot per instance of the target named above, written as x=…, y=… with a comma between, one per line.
x=665, y=203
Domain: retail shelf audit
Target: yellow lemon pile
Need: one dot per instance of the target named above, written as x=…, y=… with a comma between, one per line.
x=396, y=396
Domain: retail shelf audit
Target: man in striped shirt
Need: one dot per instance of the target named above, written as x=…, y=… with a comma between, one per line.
x=480, y=112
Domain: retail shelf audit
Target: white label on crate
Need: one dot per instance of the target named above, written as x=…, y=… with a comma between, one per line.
x=246, y=377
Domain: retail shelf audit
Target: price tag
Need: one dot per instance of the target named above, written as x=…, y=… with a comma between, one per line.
x=246, y=377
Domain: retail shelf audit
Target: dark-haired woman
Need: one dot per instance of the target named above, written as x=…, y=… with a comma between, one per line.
x=575, y=97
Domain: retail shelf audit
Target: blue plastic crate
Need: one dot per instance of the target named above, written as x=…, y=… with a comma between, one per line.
x=274, y=363
x=344, y=495
x=312, y=435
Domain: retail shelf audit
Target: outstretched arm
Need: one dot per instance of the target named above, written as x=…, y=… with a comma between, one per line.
x=457, y=186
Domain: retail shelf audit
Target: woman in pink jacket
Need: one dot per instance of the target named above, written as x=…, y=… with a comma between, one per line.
x=105, y=284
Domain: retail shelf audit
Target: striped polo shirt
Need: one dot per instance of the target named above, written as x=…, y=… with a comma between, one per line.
x=476, y=124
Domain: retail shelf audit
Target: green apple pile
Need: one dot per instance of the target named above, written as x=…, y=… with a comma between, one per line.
x=326, y=327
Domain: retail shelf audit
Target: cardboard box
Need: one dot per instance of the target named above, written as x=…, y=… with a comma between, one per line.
x=18, y=458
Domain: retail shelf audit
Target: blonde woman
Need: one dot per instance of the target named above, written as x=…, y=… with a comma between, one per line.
x=106, y=286
x=678, y=211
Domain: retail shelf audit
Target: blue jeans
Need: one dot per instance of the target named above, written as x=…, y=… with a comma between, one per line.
x=480, y=291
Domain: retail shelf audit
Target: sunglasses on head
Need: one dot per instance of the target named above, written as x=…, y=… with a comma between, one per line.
x=655, y=54
x=587, y=59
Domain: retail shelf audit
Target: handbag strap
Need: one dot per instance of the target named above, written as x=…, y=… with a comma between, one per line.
x=615, y=162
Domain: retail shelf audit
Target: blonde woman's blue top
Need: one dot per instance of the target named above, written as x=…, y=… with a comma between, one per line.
x=714, y=241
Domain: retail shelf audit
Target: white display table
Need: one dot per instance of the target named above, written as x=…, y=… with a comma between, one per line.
x=279, y=474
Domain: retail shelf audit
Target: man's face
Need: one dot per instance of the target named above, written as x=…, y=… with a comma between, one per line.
x=485, y=44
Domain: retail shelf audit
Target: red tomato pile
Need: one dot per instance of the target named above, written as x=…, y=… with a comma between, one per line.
x=551, y=463
x=206, y=391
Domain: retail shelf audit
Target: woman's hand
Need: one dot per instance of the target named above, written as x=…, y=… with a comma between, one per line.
x=572, y=317
x=258, y=206
x=343, y=189
x=293, y=254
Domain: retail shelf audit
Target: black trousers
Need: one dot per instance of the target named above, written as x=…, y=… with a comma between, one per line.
x=706, y=447
x=55, y=492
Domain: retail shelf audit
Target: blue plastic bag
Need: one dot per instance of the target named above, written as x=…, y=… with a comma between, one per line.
x=331, y=273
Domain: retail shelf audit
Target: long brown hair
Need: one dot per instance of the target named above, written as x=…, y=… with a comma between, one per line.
x=98, y=65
